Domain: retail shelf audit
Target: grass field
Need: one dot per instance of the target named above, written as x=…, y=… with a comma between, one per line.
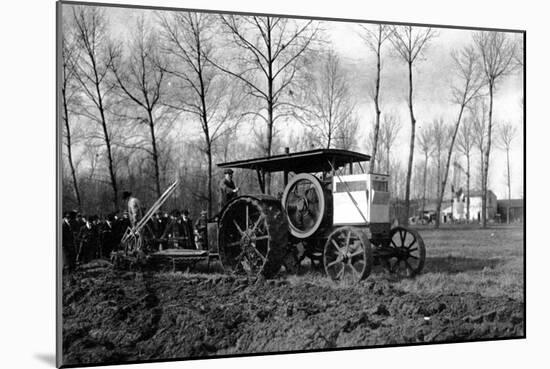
x=459, y=259
x=467, y=259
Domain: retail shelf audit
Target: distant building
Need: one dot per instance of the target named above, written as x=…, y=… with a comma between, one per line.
x=516, y=210
x=456, y=208
x=451, y=209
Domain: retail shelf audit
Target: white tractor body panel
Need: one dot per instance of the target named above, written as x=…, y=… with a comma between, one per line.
x=370, y=199
x=344, y=209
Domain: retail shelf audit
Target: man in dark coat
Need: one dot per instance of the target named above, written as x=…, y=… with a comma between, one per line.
x=107, y=236
x=227, y=187
x=174, y=230
x=201, y=227
x=187, y=228
x=88, y=237
x=68, y=243
x=158, y=224
x=79, y=222
x=120, y=224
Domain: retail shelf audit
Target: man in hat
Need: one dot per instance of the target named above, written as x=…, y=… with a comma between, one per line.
x=187, y=228
x=89, y=240
x=107, y=236
x=134, y=207
x=158, y=224
x=228, y=190
x=200, y=230
x=174, y=230
x=79, y=222
x=68, y=244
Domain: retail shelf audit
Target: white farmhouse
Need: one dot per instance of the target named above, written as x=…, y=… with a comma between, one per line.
x=457, y=207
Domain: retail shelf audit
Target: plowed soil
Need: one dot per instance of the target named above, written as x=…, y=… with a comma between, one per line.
x=113, y=316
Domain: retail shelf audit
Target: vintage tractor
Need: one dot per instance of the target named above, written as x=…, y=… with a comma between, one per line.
x=337, y=218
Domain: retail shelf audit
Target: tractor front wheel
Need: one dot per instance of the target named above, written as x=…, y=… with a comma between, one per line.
x=347, y=255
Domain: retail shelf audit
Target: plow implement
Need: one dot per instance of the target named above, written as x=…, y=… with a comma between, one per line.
x=137, y=246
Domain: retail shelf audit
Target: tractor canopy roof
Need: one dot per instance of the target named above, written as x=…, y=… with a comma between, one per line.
x=319, y=160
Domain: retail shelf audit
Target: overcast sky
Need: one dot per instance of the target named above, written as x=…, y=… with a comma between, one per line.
x=432, y=88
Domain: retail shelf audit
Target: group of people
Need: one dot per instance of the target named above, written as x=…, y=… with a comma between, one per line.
x=85, y=238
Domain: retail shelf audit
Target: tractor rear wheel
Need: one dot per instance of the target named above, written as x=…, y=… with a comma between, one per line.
x=253, y=234
x=347, y=255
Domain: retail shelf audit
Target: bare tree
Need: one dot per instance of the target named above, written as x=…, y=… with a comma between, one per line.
x=389, y=131
x=506, y=135
x=270, y=54
x=374, y=37
x=520, y=50
x=346, y=136
x=463, y=91
x=69, y=99
x=497, y=52
x=373, y=141
x=479, y=111
x=426, y=143
x=441, y=135
x=91, y=71
x=329, y=106
x=141, y=77
x=410, y=43
x=465, y=145
x=397, y=179
x=200, y=89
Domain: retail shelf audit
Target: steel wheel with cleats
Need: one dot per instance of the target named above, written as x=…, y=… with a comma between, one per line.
x=347, y=255
x=253, y=235
x=407, y=252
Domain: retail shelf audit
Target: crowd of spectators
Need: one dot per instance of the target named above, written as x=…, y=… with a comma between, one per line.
x=86, y=238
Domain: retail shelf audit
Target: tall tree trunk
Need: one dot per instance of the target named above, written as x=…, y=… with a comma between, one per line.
x=209, y=154
x=481, y=160
x=114, y=185
x=424, y=183
x=388, y=159
x=107, y=140
x=267, y=176
x=155, y=153
x=447, y=166
x=69, y=151
x=509, y=185
x=487, y=153
x=405, y=221
x=206, y=130
x=438, y=179
x=377, y=108
x=468, y=187
x=106, y=137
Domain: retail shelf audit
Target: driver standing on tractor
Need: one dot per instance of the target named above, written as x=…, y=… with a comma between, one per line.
x=134, y=207
x=228, y=190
